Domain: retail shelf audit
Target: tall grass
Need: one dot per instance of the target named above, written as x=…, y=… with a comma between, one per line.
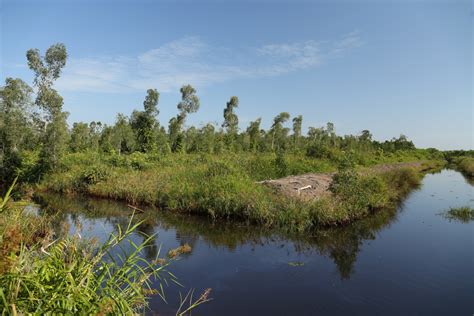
x=225, y=186
x=68, y=275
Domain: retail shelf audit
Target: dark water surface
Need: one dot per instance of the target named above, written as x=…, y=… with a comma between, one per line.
x=405, y=262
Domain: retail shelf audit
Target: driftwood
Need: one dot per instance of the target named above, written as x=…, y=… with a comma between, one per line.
x=304, y=188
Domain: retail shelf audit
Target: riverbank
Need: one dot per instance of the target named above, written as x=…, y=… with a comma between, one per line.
x=333, y=269
x=465, y=165
x=227, y=187
x=46, y=270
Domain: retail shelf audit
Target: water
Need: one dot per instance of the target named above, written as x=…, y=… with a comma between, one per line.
x=408, y=261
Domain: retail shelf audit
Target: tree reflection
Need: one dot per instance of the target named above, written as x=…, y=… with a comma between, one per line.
x=341, y=244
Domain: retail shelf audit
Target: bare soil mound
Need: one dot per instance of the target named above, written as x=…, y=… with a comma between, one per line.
x=312, y=186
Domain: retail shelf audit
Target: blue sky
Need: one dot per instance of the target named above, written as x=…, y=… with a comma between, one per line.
x=391, y=67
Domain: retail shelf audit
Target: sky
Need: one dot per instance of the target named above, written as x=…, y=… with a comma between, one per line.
x=392, y=67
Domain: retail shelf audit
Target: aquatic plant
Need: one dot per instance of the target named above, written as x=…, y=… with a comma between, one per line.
x=463, y=214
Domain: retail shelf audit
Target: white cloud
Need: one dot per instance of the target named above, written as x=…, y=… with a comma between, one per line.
x=190, y=60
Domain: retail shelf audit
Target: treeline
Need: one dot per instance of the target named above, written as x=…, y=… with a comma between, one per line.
x=34, y=133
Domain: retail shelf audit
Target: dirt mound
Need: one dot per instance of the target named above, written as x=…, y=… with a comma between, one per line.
x=312, y=186
x=306, y=186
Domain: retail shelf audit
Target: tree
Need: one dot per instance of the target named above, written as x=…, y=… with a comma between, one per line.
x=15, y=126
x=231, y=121
x=189, y=104
x=253, y=132
x=297, y=123
x=123, y=138
x=95, y=132
x=331, y=132
x=189, y=100
x=277, y=130
x=151, y=102
x=79, y=140
x=15, y=100
x=47, y=69
x=366, y=136
x=144, y=122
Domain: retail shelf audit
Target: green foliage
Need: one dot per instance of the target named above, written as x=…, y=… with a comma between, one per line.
x=322, y=151
x=94, y=174
x=297, y=123
x=347, y=187
x=47, y=69
x=144, y=123
x=138, y=161
x=231, y=121
x=189, y=100
x=465, y=165
x=278, y=132
x=15, y=130
x=55, y=139
x=85, y=137
x=225, y=186
x=281, y=166
x=70, y=275
x=122, y=138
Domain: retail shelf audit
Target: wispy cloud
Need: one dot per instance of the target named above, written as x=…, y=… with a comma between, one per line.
x=191, y=60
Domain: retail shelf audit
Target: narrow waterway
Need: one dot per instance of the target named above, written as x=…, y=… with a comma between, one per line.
x=406, y=261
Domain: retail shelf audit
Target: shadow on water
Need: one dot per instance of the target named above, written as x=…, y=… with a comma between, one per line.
x=341, y=244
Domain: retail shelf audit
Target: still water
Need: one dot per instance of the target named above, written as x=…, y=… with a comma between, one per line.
x=408, y=261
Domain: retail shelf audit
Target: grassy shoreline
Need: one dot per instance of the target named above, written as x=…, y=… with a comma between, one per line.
x=226, y=188
x=46, y=270
x=465, y=165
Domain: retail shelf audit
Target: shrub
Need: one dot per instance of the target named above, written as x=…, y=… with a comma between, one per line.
x=281, y=166
x=94, y=174
x=466, y=165
x=322, y=151
x=139, y=161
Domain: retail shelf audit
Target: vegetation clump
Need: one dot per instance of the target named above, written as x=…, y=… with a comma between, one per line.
x=466, y=165
x=464, y=214
x=42, y=273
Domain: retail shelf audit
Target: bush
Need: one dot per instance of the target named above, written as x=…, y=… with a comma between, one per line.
x=322, y=151
x=94, y=175
x=466, y=165
x=357, y=194
x=281, y=166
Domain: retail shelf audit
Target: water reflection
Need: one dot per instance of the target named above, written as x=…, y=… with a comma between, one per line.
x=341, y=244
x=409, y=261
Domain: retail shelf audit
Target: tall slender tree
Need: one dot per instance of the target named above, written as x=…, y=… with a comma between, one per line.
x=144, y=122
x=47, y=69
x=189, y=104
x=254, y=134
x=231, y=121
x=277, y=130
x=297, y=123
